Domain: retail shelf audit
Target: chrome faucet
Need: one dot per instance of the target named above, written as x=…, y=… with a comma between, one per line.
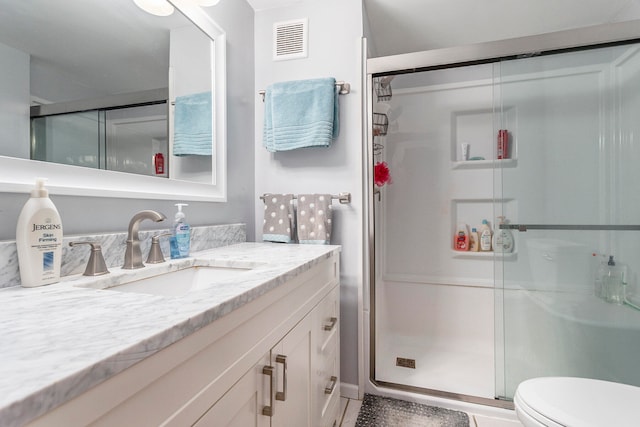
x=133, y=254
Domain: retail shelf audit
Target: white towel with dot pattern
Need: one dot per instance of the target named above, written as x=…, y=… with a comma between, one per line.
x=278, y=218
x=314, y=218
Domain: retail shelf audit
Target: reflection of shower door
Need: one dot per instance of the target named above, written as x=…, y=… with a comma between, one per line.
x=134, y=135
x=577, y=127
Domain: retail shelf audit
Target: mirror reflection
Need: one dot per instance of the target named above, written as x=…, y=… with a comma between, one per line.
x=104, y=85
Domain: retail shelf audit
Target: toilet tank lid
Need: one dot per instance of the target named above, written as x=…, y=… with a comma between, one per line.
x=573, y=401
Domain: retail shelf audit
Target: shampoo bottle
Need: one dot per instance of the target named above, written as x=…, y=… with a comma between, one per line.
x=502, y=239
x=485, y=236
x=474, y=240
x=461, y=238
x=180, y=241
x=39, y=239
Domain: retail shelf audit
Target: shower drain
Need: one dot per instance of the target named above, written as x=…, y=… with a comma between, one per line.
x=406, y=363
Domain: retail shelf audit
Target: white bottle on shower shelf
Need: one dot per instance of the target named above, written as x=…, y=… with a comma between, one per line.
x=485, y=236
x=502, y=238
x=474, y=240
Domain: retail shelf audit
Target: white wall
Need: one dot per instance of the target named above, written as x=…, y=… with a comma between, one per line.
x=88, y=214
x=335, y=32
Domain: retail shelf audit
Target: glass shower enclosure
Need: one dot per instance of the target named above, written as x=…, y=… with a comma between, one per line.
x=574, y=127
x=473, y=325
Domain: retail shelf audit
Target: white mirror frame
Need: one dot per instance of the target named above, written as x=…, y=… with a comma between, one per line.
x=18, y=175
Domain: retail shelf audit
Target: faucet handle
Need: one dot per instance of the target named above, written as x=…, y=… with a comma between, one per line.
x=96, y=265
x=155, y=253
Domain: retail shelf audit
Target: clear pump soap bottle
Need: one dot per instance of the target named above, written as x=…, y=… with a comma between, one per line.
x=180, y=241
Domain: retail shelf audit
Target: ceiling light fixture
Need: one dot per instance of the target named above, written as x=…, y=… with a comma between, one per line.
x=155, y=7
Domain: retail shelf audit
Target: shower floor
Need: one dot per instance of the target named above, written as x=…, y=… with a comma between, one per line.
x=463, y=371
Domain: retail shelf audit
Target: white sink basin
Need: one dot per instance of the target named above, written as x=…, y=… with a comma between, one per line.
x=181, y=282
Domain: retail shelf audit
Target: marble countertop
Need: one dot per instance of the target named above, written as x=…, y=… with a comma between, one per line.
x=57, y=341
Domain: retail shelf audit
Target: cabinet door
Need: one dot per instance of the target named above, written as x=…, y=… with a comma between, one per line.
x=291, y=358
x=242, y=405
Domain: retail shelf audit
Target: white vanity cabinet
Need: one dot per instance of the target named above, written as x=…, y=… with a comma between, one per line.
x=295, y=384
x=272, y=362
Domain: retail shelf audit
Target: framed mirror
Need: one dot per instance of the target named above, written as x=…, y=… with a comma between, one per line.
x=91, y=97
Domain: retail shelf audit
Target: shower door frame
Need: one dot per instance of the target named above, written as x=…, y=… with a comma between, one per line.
x=556, y=42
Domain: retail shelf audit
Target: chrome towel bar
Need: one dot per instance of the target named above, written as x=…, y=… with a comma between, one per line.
x=345, y=88
x=344, y=198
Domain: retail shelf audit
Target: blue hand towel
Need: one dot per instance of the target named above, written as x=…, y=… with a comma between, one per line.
x=314, y=218
x=193, y=125
x=301, y=113
x=279, y=220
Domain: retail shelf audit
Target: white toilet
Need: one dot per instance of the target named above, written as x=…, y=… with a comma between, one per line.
x=576, y=402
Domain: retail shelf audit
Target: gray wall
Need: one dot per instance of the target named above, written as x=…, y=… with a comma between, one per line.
x=336, y=52
x=93, y=215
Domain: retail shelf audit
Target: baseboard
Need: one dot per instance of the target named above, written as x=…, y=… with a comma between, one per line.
x=350, y=391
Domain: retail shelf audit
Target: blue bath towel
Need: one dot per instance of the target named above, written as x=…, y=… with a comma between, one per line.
x=301, y=113
x=193, y=125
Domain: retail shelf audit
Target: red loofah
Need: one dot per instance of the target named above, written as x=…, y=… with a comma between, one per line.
x=381, y=175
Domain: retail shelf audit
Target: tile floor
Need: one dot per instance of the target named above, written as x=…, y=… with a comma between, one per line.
x=350, y=408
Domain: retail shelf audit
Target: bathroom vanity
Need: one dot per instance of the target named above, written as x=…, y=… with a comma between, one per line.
x=260, y=346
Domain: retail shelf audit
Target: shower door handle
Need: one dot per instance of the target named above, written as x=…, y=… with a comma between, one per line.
x=582, y=227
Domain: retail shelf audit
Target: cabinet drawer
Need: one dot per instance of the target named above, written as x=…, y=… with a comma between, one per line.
x=327, y=320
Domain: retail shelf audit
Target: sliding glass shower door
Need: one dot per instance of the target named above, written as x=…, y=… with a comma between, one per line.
x=573, y=191
x=433, y=306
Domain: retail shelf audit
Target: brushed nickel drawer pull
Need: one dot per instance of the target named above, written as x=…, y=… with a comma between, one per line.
x=332, y=385
x=282, y=395
x=269, y=410
x=333, y=321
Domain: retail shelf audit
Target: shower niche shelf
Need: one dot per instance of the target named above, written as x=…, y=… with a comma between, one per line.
x=485, y=164
x=471, y=211
x=478, y=128
x=485, y=255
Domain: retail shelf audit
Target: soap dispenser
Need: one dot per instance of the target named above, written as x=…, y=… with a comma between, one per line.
x=180, y=240
x=613, y=282
x=461, y=238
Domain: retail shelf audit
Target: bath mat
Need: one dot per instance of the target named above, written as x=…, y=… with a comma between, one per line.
x=377, y=411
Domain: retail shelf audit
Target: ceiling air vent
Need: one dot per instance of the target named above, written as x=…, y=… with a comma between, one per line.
x=290, y=39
